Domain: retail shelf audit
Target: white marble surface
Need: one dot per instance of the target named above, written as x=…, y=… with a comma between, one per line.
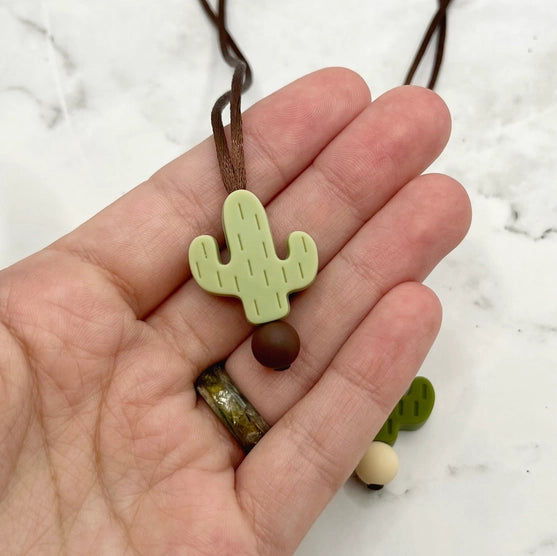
x=94, y=96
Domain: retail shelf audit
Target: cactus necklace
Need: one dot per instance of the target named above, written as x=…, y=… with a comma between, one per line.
x=254, y=274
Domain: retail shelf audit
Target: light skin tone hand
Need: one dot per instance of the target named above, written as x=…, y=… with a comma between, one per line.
x=106, y=448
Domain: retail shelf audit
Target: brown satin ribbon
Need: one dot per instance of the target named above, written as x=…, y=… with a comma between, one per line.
x=231, y=161
x=438, y=23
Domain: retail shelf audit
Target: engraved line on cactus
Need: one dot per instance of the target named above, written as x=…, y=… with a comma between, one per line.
x=256, y=306
x=237, y=284
x=198, y=270
x=278, y=300
x=204, y=249
x=284, y=275
x=241, y=211
x=266, y=277
x=240, y=242
x=219, y=278
x=250, y=268
x=301, y=271
x=258, y=224
x=265, y=250
x=416, y=408
x=304, y=244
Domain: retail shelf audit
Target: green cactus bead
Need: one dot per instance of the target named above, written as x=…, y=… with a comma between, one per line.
x=255, y=273
x=411, y=412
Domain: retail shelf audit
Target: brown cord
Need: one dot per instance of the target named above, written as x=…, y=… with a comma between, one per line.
x=231, y=161
x=439, y=22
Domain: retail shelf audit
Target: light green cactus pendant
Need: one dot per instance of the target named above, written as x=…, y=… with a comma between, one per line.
x=255, y=273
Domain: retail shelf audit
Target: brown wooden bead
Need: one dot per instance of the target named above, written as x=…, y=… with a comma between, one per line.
x=275, y=345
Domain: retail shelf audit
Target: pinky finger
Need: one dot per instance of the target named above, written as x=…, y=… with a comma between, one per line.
x=303, y=460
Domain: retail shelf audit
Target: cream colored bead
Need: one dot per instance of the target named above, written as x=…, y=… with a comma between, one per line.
x=379, y=465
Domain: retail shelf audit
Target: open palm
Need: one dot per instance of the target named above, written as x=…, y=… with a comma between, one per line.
x=105, y=448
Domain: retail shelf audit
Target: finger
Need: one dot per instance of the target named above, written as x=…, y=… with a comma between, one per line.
x=403, y=242
x=389, y=143
x=312, y=450
x=141, y=240
x=16, y=403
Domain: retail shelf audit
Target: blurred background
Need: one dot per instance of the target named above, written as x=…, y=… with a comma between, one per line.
x=96, y=96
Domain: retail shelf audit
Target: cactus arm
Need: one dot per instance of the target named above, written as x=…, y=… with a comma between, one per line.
x=300, y=265
x=411, y=412
x=254, y=273
x=207, y=268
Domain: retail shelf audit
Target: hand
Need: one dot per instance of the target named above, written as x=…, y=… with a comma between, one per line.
x=106, y=448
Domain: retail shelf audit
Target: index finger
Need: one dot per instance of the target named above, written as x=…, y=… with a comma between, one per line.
x=140, y=242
